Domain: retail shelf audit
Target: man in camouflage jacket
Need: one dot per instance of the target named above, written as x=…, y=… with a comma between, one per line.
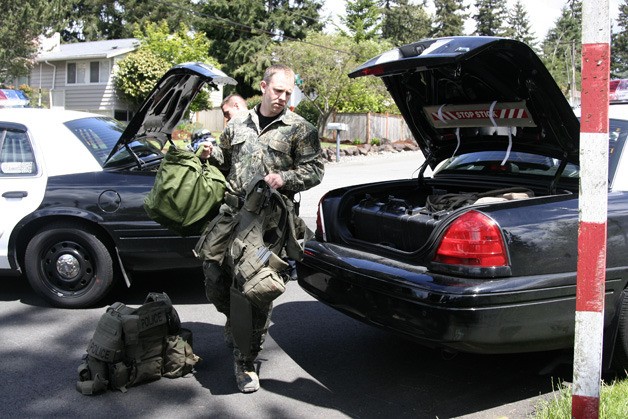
x=273, y=143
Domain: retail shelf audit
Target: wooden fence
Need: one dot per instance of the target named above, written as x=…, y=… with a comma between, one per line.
x=211, y=119
x=366, y=127
x=362, y=127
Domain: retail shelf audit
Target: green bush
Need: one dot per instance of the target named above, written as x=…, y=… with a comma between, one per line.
x=307, y=110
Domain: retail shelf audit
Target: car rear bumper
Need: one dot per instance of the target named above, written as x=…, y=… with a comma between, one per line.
x=470, y=315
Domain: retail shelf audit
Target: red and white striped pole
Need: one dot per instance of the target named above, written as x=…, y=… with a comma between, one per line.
x=591, y=276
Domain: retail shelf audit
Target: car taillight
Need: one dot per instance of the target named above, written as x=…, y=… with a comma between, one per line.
x=473, y=239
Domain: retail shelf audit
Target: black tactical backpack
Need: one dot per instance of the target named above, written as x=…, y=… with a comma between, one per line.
x=135, y=345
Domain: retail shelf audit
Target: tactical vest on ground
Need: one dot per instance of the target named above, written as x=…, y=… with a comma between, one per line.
x=134, y=345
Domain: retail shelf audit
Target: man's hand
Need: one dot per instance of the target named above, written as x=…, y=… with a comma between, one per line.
x=274, y=180
x=207, y=150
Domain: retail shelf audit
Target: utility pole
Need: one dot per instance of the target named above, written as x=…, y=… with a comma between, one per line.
x=593, y=208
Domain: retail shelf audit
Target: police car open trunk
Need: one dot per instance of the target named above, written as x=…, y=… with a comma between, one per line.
x=495, y=130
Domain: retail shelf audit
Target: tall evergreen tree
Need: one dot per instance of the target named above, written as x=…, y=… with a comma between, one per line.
x=518, y=26
x=363, y=19
x=92, y=20
x=561, y=48
x=490, y=17
x=404, y=22
x=619, y=44
x=449, y=17
x=22, y=23
x=242, y=31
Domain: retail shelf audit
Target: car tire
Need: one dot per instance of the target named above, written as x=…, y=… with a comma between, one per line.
x=620, y=355
x=69, y=266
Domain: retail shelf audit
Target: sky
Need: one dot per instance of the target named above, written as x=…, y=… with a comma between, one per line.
x=541, y=13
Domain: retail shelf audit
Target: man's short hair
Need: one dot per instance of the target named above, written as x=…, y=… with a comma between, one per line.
x=276, y=68
x=235, y=97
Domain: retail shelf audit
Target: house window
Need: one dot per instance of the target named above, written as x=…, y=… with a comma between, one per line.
x=122, y=115
x=71, y=71
x=94, y=72
x=85, y=72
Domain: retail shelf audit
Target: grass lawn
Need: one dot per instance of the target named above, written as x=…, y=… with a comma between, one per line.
x=613, y=402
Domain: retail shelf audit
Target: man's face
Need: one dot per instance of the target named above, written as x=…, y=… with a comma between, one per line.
x=229, y=110
x=276, y=93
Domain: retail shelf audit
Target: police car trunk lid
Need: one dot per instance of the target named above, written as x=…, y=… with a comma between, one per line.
x=463, y=94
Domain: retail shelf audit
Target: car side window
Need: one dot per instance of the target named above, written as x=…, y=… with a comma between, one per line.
x=16, y=154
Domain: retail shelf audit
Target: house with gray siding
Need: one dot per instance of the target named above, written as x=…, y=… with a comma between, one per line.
x=79, y=76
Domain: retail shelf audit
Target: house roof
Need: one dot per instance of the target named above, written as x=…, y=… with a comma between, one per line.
x=87, y=50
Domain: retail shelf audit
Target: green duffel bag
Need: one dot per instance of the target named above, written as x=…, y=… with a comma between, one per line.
x=186, y=194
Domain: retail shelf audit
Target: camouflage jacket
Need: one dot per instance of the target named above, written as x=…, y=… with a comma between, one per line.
x=289, y=146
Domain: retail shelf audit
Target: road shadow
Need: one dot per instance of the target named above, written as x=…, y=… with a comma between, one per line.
x=348, y=367
x=366, y=372
x=185, y=286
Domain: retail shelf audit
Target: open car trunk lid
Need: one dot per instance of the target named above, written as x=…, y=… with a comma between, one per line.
x=167, y=104
x=462, y=94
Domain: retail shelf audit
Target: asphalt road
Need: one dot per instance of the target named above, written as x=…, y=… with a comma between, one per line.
x=316, y=362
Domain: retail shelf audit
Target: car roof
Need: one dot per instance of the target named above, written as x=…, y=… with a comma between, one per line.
x=26, y=116
x=54, y=144
x=618, y=111
x=615, y=111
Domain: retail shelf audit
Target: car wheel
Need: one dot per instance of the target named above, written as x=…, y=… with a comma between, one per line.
x=620, y=355
x=69, y=267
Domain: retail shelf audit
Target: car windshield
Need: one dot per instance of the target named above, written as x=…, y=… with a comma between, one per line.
x=516, y=163
x=531, y=164
x=100, y=135
x=143, y=149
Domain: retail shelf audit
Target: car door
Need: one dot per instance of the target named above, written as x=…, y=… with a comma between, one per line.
x=22, y=182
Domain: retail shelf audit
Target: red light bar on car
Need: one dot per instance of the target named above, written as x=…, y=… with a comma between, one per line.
x=504, y=114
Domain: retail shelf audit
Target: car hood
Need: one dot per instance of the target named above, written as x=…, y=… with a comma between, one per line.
x=465, y=94
x=166, y=105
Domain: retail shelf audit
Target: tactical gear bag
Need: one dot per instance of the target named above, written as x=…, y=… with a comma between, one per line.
x=261, y=234
x=135, y=345
x=186, y=193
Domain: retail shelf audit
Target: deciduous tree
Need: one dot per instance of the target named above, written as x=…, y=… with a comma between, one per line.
x=159, y=50
x=137, y=74
x=324, y=72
